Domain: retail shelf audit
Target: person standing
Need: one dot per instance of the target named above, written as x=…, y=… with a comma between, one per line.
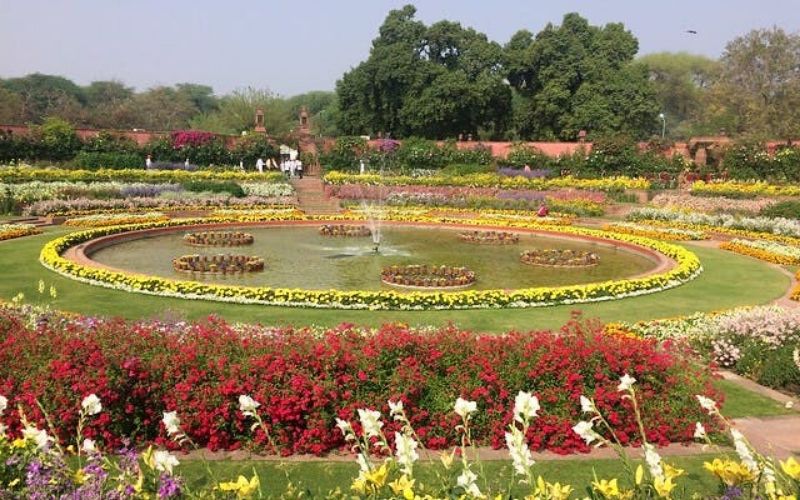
x=260, y=165
x=362, y=167
x=148, y=162
x=300, y=168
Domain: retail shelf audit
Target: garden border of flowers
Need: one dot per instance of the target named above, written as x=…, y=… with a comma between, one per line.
x=16, y=175
x=686, y=269
x=11, y=231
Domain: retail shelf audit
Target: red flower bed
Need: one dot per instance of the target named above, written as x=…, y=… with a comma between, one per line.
x=305, y=379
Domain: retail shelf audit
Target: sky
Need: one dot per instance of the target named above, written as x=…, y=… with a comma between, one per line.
x=292, y=47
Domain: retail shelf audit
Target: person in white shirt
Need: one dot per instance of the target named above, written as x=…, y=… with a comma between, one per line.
x=292, y=167
x=260, y=165
x=300, y=168
x=148, y=162
x=362, y=167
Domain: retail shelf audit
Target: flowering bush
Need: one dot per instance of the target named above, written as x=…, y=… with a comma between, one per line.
x=764, y=250
x=757, y=342
x=10, y=231
x=490, y=180
x=688, y=267
x=712, y=205
x=304, y=379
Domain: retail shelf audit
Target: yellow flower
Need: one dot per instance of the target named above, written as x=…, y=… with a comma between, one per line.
x=18, y=443
x=671, y=472
x=552, y=491
x=729, y=472
x=243, y=487
x=792, y=468
x=609, y=489
x=663, y=486
x=79, y=477
x=403, y=486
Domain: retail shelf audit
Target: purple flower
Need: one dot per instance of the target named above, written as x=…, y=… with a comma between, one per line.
x=168, y=487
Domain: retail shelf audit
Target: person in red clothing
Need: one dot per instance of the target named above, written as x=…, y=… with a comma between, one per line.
x=543, y=210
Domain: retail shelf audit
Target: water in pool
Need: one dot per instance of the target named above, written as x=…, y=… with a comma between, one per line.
x=299, y=257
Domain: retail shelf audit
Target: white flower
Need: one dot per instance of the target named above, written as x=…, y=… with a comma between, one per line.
x=406, y=452
x=171, y=422
x=39, y=437
x=363, y=465
x=164, y=461
x=625, y=383
x=525, y=406
x=344, y=426
x=708, y=404
x=370, y=422
x=789, y=405
x=3, y=404
x=89, y=446
x=585, y=431
x=699, y=431
x=91, y=405
x=396, y=409
x=467, y=481
x=519, y=451
x=248, y=405
x=464, y=408
x=745, y=455
x=653, y=460
x=586, y=405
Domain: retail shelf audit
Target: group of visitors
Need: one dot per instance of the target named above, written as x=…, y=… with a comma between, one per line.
x=290, y=168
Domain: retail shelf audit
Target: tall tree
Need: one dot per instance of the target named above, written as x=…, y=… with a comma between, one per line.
x=237, y=111
x=577, y=76
x=47, y=95
x=435, y=81
x=202, y=96
x=681, y=82
x=759, y=83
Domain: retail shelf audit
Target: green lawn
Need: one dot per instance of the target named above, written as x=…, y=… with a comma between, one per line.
x=322, y=477
x=741, y=402
x=729, y=280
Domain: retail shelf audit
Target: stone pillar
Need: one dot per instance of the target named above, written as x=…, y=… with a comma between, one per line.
x=259, y=122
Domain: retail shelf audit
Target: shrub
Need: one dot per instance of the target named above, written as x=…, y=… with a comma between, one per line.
x=770, y=367
x=230, y=187
x=787, y=209
x=521, y=154
x=93, y=160
x=305, y=379
x=345, y=154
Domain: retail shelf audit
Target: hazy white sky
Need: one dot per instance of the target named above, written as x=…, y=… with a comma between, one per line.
x=293, y=46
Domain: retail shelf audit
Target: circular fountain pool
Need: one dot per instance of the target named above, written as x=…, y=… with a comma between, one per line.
x=299, y=257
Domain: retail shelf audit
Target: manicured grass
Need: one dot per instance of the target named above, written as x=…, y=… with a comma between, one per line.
x=741, y=402
x=729, y=280
x=322, y=477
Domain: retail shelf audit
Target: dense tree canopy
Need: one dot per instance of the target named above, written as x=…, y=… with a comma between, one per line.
x=435, y=81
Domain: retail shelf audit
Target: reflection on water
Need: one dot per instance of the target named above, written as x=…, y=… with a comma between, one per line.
x=298, y=257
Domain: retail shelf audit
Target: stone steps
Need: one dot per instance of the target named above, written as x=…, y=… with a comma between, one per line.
x=311, y=197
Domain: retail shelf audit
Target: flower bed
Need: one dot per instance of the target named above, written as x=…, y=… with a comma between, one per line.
x=490, y=180
x=182, y=202
x=711, y=204
x=27, y=174
x=115, y=219
x=757, y=342
x=218, y=239
x=687, y=268
x=554, y=257
x=416, y=212
x=656, y=232
x=740, y=189
x=778, y=226
x=796, y=292
x=304, y=379
x=218, y=264
x=428, y=276
x=11, y=231
x=490, y=237
x=769, y=251
x=346, y=230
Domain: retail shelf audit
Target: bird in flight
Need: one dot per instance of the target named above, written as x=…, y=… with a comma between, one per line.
x=693, y=32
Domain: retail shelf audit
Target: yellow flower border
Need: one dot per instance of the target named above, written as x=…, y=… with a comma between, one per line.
x=688, y=267
x=654, y=233
x=796, y=292
x=746, y=188
x=758, y=253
